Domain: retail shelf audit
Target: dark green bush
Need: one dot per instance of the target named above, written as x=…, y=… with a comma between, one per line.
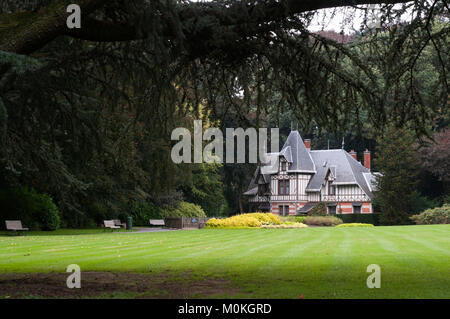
x=45, y=212
x=373, y=219
x=421, y=203
x=319, y=210
x=438, y=215
x=322, y=221
x=98, y=212
x=36, y=211
x=184, y=209
x=142, y=212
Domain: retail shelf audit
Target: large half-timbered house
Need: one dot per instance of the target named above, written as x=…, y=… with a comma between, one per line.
x=295, y=179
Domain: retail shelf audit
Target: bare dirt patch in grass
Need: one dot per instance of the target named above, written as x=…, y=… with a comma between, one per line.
x=114, y=285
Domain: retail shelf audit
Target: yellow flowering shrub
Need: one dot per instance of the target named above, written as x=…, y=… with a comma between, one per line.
x=265, y=218
x=244, y=221
x=355, y=225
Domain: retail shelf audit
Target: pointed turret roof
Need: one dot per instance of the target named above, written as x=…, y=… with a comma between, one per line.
x=301, y=159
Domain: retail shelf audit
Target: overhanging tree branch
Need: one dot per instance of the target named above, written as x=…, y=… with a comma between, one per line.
x=37, y=29
x=103, y=31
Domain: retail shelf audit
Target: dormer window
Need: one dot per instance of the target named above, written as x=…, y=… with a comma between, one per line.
x=283, y=166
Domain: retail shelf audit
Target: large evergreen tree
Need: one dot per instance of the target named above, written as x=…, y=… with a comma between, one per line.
x=396, y=161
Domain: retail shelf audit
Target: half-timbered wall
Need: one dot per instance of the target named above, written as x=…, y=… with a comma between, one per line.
x=345, y=195
x=299, y=181
x=314, y=196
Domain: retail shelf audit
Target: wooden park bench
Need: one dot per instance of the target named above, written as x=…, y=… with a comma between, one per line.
x=15, y=225
x=157, y=222
x=110, y=224
x=117, y=222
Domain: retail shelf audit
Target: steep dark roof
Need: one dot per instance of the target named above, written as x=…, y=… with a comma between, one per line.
x=358, y=171
x=307, y=207
x=371, y=181
x=286, y=152
x=253, y=186
x=301, y=160
x=344, y=167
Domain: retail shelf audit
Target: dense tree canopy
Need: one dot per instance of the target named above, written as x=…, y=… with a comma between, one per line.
x=436, y=156
x=88, y=112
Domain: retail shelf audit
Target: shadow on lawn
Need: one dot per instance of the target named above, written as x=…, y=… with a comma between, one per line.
x=114, y=285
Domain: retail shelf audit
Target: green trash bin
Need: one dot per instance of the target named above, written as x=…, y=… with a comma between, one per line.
x=129, y=222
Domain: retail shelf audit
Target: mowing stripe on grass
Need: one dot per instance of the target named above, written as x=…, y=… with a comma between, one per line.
x=274, y=263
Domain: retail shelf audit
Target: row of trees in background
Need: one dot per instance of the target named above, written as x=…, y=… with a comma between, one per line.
x=403, y=163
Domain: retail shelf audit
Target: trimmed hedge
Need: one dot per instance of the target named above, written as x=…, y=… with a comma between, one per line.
x=346, y=218
x=322, y=220
x=373, y=218
x=355, y=225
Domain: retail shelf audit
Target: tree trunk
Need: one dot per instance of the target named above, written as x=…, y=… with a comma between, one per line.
x=241, y=207
x=29, y=31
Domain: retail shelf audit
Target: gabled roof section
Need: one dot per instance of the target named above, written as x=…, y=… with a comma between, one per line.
x=263, y=171
x=252, y=191
x=332, y=170
x=358, y=170
x=286, y=152
x=344, y=167
x=371, y=181
x=301, y=159
x=253, y=186
x=329, y=160
x=271, y=167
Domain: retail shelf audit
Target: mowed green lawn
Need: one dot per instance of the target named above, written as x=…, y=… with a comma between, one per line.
x=262, y=263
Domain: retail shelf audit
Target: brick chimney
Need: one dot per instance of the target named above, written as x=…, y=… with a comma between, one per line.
x=308, y=144
x=353, y=154
x=367, y=158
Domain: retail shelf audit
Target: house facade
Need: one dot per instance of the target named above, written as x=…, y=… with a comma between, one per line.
x=295, y=179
